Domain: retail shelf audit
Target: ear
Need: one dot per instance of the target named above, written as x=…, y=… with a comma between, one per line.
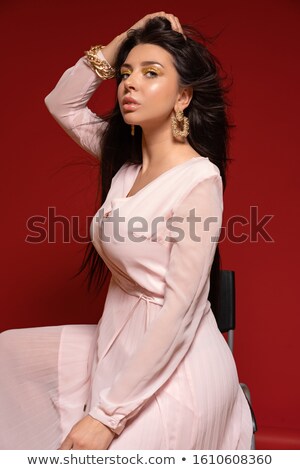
x=184, y=97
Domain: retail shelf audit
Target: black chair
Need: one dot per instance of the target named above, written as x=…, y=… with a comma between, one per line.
x=226, y=322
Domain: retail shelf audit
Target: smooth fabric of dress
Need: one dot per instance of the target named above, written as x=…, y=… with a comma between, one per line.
x=156, y=368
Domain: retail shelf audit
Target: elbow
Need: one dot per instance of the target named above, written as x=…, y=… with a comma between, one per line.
x=55, y=107
x=51, y=104
x=58, y=108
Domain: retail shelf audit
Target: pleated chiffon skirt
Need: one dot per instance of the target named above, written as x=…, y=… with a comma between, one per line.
x=46, y=382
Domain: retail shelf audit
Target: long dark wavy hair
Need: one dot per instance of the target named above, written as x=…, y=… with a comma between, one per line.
x=207, y=113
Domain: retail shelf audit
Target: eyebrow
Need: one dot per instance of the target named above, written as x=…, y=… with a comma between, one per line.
x=147, y=62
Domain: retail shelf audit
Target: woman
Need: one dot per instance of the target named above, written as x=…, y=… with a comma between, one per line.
x=156, y=373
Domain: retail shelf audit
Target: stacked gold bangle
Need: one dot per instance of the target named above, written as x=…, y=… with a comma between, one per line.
x=101, y=67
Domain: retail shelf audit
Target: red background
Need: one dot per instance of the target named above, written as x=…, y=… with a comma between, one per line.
x=42, y=168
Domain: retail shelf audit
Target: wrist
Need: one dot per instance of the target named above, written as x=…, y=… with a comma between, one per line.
x=100, y=424
x=110, y=51
x=97, y=61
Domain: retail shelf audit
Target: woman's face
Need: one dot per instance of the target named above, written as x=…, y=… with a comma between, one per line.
x=149, y=89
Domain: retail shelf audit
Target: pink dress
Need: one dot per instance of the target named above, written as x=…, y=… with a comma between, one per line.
x=156, y=368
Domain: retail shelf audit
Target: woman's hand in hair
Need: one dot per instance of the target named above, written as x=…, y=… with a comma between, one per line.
x=176, y=26
x=111, y=50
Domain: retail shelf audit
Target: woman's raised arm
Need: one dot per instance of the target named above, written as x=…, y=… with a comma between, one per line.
x=68, y=101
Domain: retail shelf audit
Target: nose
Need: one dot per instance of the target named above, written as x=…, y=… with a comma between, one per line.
x=131, y=82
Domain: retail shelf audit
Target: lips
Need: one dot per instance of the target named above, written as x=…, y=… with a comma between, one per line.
x=129, y=100
x=129, y=103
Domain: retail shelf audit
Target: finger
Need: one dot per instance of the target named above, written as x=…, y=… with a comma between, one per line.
x=154, y=15
x=178, y=25
x=170, y=17
x=67, y=444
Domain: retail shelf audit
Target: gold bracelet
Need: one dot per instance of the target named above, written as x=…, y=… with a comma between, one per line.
x=101, y=67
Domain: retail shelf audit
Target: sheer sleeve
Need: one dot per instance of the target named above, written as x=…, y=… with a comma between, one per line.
x=170, y=335
x=67, y=103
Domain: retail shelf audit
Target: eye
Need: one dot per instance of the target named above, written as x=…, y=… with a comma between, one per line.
x=124, y=74
x=151, y=73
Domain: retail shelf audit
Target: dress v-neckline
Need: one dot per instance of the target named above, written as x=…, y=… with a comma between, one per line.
x=155, y=179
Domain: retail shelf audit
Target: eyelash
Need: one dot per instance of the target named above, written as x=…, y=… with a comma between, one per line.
x=123, y=74
x=152, y=71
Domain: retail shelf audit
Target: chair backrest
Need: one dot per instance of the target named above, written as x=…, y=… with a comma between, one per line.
x=225, y=315
x=226, y=306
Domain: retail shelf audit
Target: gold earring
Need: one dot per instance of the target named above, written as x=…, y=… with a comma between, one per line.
x=180, y=124
x=132, y=129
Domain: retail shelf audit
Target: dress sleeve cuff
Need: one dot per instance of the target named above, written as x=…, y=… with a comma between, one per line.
x=116, y=423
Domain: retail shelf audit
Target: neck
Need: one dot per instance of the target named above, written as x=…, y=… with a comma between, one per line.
x=161, y=150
